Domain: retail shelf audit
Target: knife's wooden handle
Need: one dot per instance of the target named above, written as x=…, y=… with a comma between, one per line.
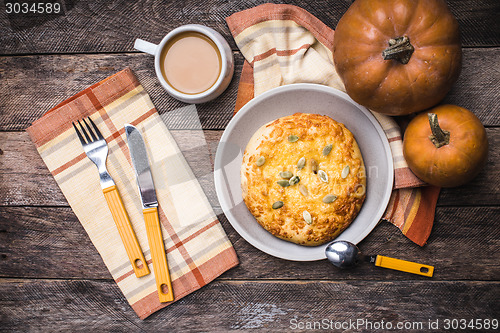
x=127, y=234
x=404, y=266
x=157, y=247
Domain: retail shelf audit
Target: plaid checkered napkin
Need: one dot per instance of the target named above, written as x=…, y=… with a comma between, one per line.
x=284, y=44
x=198, y=250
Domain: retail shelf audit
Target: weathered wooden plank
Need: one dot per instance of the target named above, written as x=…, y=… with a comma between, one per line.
x=452, y=248
x=100, y=26
x=474, y=34
x=26, y=180
x=80, y=306
x=44, y=240
x=477, y=88
x=31, y=85
x=51, y=243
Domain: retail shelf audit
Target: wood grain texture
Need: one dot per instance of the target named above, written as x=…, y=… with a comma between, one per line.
x=21, y=164
x=33, y=241
x=264, y=306
x=54, y=237
x=53, y=279
x=112, y=26
x=32, y=85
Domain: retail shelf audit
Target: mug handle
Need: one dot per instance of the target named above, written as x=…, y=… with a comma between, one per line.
x=144, y=46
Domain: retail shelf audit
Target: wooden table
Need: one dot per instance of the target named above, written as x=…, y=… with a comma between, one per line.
x=53, y=279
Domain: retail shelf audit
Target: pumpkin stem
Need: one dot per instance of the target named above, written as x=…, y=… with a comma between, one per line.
x=439, y=137
x=399, y=49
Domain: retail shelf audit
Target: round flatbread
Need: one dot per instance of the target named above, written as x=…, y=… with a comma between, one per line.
x=303, y=178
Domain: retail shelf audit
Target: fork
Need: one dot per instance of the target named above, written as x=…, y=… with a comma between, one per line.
x=96, y=148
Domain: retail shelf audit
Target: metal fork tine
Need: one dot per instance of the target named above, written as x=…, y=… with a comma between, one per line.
x=82, y=140
x=84, y=132
x=94, y=137
x=99, y=135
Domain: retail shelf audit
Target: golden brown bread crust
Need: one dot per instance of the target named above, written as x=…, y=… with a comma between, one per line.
x=261, y=190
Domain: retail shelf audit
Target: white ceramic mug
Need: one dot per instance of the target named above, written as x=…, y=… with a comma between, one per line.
x=227, y=63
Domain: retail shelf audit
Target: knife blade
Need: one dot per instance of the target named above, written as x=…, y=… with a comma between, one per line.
x=140, y=161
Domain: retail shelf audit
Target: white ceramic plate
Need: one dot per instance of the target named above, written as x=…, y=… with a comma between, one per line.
x=284, y=101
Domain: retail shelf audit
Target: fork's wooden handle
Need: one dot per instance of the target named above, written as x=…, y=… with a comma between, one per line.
x=157, y=247
x=404, y=266
x=127, y=234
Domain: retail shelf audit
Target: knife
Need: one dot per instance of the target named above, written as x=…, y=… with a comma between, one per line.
x=142, y=169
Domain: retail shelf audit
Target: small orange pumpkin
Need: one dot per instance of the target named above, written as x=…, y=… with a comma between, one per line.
x=398, y=56
x=446, y=146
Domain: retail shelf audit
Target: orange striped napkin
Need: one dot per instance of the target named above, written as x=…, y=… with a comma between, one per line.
x=197, y=248
x=284, y=44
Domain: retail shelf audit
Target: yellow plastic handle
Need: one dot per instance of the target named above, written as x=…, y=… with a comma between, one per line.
x=127, y=234
x=404, y=266
x=157, y=247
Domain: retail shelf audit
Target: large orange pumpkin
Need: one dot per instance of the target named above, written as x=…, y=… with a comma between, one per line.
x=446, y=146
x=397, y=56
